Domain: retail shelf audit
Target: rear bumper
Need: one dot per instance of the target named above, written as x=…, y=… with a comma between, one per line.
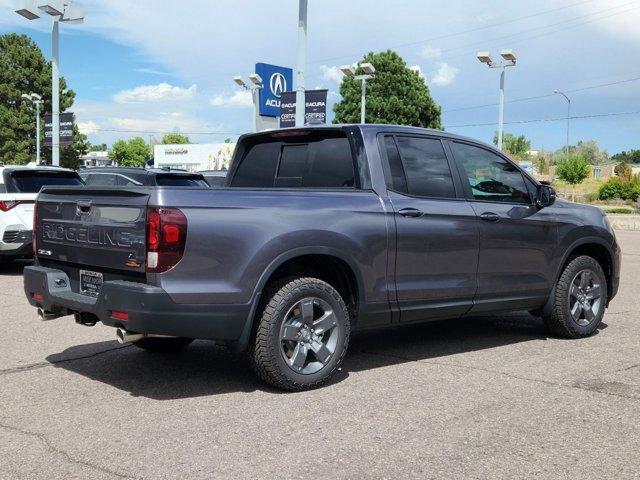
x=150, y=309
x=16, y=250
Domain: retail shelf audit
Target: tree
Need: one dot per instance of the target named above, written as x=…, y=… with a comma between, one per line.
x=23, y=69
x=517, y=146
x=573, y=170
x=632, y=156
x=130, y=153
x=397, y=95
x=623, y=170
x=100, y=147
x=173, y=138
x=70, y=155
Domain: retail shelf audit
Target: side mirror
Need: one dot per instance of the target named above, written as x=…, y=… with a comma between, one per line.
x=546, y=196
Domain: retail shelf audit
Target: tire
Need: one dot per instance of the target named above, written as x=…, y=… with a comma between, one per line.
x=578, y=305
x=301, y=336
x=162, y=344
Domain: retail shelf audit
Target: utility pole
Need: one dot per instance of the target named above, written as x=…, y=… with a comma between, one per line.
x=37, y=101
x=55, y=94
x=302, y=61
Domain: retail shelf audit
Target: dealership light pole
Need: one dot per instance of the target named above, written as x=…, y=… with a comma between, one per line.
x=510, y=60
x=61, y=11
x=254, y=88
x=302, y=62
x=568, y=114
x=36, y=100
x=369, y=74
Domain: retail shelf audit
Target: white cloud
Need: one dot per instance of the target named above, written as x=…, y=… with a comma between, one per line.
x=331, y=73
x=430, y=52
x=239, y=99
x=445, y=75
x=163, y=92
x=88, y=128
x=418, y=70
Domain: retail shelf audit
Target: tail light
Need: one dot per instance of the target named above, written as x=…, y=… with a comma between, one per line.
x=166, y=238
x=6, y=205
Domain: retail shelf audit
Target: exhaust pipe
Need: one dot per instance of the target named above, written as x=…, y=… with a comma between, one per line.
x=125, y=336
x=44, y=315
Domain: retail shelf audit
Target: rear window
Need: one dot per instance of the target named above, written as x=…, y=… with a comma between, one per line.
x=32, y=182
x=180, y=181
x=320, y=162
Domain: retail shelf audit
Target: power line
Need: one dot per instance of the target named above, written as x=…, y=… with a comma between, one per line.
x=160, y=132
x=537, y=97
x=556, y=119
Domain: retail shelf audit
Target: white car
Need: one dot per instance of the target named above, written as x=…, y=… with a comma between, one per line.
x=19, y=187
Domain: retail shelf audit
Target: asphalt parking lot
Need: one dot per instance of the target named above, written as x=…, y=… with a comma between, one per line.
x=479, y=398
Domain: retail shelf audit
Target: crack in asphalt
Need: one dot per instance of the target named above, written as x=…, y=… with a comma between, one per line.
x=577, y=386
x=53, y=448
x=37, y=365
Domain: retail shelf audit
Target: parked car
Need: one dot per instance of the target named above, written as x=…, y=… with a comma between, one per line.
x=323, y=231
x=19, y=187
x=215, y=178
x=136, y=177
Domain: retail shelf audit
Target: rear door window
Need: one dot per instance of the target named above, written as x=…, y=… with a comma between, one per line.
x=33, y=181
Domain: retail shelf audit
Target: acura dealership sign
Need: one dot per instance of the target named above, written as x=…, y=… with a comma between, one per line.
x=315, y=108
x=275, y=80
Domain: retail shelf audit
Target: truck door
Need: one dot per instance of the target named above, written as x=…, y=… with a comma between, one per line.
x=437, y=231
x=517, y=240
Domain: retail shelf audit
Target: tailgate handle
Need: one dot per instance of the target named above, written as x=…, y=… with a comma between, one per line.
x=84, y=206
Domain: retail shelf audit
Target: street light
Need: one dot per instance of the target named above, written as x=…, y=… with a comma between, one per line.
x=61, y=11
x=36, y=100
x=369, y=73
x=254, y=88
x=510, y=59
x=558, y=92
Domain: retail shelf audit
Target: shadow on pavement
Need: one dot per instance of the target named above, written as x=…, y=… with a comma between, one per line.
x=203, y=369
x=13, y=268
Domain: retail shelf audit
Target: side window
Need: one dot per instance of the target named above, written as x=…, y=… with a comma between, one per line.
x=330, y=164
x=396, y=179
x=490, y=176
x=124, y=181
x=426, y=168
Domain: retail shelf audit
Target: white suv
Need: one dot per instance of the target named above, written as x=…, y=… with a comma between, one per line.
x=19, y=187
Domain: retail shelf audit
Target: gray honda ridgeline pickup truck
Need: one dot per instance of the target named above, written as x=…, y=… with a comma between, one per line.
x=318, y=232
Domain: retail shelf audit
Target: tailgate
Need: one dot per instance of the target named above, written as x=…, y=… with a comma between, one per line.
x=102, y=228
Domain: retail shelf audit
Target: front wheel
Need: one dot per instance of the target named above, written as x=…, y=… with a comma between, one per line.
x=302, y=335
x=580, y=299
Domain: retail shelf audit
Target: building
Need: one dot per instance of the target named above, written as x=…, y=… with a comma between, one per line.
x=96, y=159
x=194, y=157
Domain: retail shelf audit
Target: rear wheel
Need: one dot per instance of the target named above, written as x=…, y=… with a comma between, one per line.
x=163, y=344
x=302, y=335
x=580, y=299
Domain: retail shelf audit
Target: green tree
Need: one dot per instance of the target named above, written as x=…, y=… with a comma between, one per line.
x=70, y=156
x=632, y=156
x=517, y=146
x=98, y=147
x=623, y=170
x=573, y=170
x=130, y=153
x=23, y=69
x=397, y=95
x=173, y=138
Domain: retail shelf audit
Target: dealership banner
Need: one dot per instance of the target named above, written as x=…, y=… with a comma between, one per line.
x=66, y=129
x=315, y=111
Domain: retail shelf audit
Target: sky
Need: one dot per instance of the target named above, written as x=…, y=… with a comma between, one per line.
x=144, y=67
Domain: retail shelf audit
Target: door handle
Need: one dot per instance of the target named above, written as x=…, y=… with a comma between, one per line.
x=411, y=212
x=490, y=217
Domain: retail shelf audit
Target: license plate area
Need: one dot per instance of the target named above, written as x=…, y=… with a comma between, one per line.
x=90, y=282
